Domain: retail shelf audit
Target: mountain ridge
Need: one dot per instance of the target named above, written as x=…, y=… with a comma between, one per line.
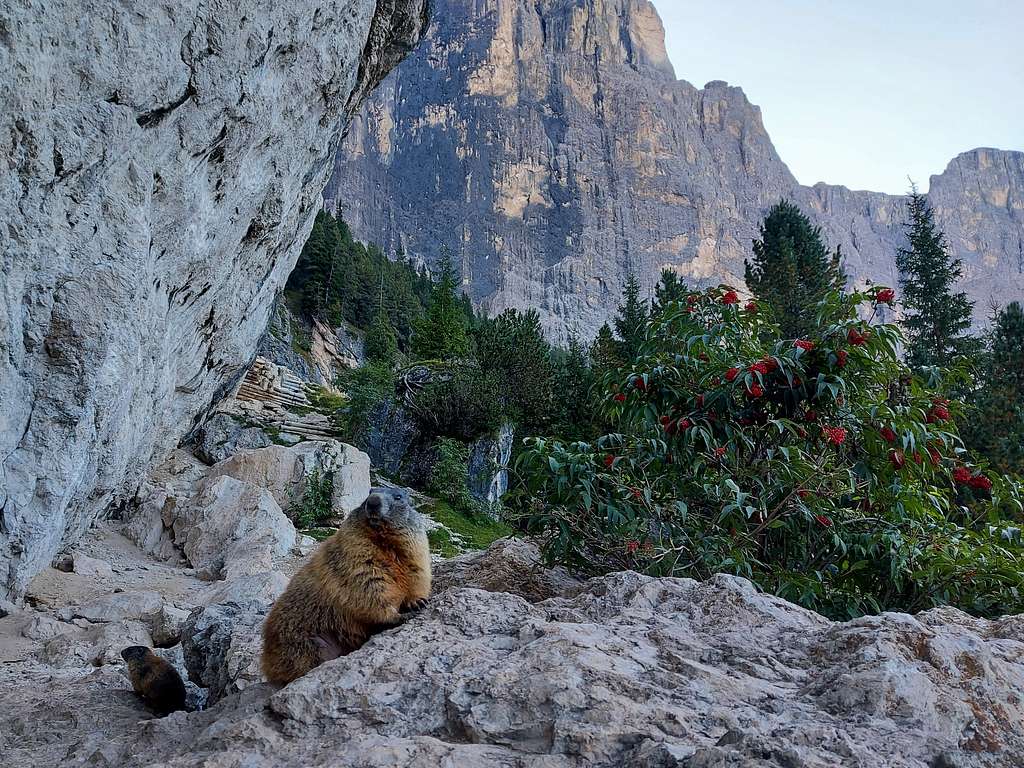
x=549, y=147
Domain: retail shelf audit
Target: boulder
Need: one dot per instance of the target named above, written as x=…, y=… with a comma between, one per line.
x=285, y=471
x=221, y=640
x=143, y=606
x=508, y=565
x=90, y=567
x=222, y=436
x=94, y=644
x=229, y=522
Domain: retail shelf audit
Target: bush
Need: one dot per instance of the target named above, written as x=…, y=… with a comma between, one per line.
x=450, y=474
x=820, y=468
x=365, y=388
x=460, y=402
x=315, y=505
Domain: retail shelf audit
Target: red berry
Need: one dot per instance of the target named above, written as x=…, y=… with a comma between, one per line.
x=751, y=307
x=962, y=475
x=824, y=521
x=835, y=435
x=898, y=459
x=841, y=357
x=609, y=460
x=804, y=344
x=730, y=297
x=856, y=337
x=887, y=434
x=885, y=296
x=620, y=398
x=731, y=374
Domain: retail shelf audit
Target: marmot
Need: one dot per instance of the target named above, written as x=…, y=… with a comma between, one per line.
x=360, y=581
x=155, y=680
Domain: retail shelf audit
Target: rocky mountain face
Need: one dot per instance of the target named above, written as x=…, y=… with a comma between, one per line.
x=163, y=166
x=549, y=148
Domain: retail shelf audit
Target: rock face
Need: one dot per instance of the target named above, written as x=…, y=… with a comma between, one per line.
x=631, y=671
x=548, y=145
x=163, y=164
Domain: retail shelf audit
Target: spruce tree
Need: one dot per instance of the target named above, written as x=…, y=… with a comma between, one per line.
x=792, y=269
x=631, y=321
x=604, y=352
x=996, y=428
x=574, y=416
x=936, y=319
x=381, y=344
x=669, y=289
x=441, y=333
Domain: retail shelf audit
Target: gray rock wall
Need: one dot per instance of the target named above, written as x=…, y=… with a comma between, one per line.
x=548, y=145
x=164, y=161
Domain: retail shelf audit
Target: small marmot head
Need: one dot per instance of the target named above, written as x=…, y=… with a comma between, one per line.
x=390, y=506
x=136, y=654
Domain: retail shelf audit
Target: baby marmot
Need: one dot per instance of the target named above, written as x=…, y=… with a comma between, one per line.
x=362, y=580
x=155, y=680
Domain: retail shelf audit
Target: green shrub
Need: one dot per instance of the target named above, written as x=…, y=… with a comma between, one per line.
x=820, y=468
x=460, y=402
x=315, y=505
x=449, y=475
x=365, y=388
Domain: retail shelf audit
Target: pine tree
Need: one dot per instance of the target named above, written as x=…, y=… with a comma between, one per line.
x=669, y=289
x=631, y=320
x=792, y=269
x=604, y=352
x=574, y=416
x=512, y=351
x=441, y=334
x=381, y=343
x=936, y=319
x=996, y=428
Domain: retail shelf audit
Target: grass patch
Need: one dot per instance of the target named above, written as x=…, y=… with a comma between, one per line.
x=320, y=534
x=472, y=531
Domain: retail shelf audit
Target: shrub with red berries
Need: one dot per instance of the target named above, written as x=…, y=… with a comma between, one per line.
x=820, y=468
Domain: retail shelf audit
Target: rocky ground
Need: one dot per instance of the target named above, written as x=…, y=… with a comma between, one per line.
x=511, y=664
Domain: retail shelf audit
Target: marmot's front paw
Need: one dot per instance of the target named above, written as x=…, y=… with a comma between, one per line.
x=415, y=605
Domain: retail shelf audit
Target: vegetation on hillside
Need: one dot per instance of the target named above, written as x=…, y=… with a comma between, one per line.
x=791, y=437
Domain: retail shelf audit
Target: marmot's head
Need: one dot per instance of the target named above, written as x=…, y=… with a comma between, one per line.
x=390, y=506
x=136, y=655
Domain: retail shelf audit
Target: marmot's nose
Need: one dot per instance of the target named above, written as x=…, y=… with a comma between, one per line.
x=373, y=505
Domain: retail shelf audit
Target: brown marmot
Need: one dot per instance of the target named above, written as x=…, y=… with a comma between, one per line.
x=155, y=680
x=360, y=581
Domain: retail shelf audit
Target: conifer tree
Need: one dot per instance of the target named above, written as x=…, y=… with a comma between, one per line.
x=937, y=319
x=792, y=269
x=996, y=428
x=631, y=321
x=574, y=416
x=381, y=343
x=441, y=333
x=669, y=289
x=604, y=352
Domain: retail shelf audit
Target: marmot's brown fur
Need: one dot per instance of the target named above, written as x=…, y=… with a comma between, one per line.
x=362, y=580
x=155, y=680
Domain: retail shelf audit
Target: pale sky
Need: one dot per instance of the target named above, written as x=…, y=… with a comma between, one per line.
x=863, y=92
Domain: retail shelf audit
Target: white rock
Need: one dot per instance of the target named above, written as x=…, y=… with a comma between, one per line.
x=285, y=471
x=163, y=166
x=140, y=605
x=43, y=627
x=227, y=521
x=91, y=567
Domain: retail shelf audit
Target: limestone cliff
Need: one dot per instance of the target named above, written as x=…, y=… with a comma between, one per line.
x=164, y=161
x=549, y=146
